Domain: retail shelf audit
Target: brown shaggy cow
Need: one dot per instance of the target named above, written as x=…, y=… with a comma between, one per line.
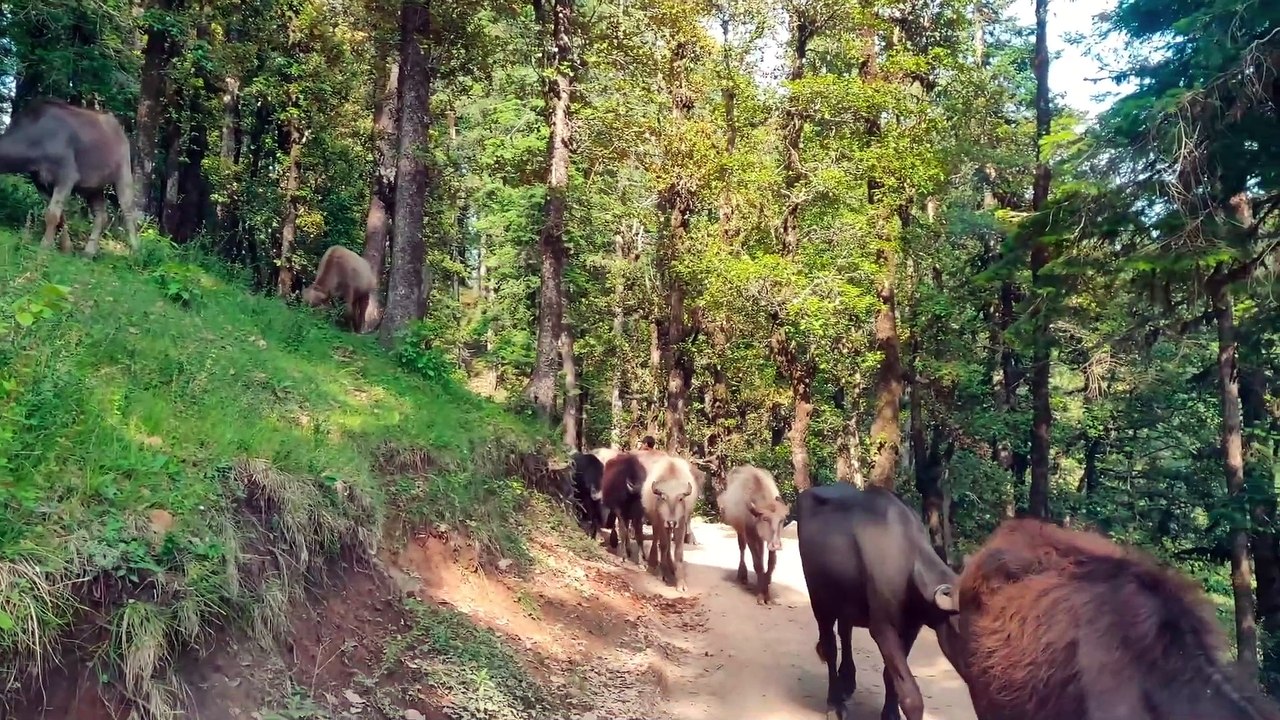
x=1066, y=625
x=753, y=507
x=668, y=499
x=63, y=149
x=343, y=274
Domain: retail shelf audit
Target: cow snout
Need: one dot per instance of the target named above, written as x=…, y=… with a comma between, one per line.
x=775, y=544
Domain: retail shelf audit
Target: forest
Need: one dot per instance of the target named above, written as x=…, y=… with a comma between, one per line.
x=854, y=241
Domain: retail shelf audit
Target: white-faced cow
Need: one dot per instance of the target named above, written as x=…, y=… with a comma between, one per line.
x=753, y=507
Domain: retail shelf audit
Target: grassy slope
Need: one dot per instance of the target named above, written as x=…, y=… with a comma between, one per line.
x=125, y=402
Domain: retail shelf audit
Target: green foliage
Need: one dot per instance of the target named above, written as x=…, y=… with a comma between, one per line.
x=179, y=282
x=119, y=405
x=469, y=665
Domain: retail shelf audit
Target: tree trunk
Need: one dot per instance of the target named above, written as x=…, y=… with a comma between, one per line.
x=1041, y=411
x=655, y=376
x=716, y=402
x=382, y=187
x=174, y=134
x=224, y=211
x=620, y=341
x=572, y=400
x=729, y=96
x=798, y=435
x=407, y=286
x=886, y=430
x=793, y=132
x=1260, y=432
x=800, y=372
x=677, y=199
x=292, y=138
x=1232, y=445
x=193, y=190
x=541, y=390
x=849, y=444
x=156, y=55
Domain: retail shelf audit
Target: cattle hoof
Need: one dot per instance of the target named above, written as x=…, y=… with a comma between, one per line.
x=742, y=576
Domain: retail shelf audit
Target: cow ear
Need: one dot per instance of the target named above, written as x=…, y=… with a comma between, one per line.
x=944, y=597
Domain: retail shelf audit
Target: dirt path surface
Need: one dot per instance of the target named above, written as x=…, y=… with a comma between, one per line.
x=753, y=662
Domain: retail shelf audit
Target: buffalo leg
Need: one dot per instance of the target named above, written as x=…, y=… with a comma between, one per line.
x=64, y=234
x=128, y=212
x=900, y=688
x=742, y=558
x=98, y=204
x=827, y=652
x=53, y=213
x=848, y=672
x=624, y=540
x=763, y=580
x=657, y=563
x=637, y=529
x=756, y=545
x=677, y=562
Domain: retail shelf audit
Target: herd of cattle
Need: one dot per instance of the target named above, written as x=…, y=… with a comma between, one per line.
x=1043, y=622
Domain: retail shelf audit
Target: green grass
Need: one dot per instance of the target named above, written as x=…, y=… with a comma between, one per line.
x=470, y=668
x=158, y=384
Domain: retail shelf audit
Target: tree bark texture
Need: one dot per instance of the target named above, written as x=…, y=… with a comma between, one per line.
x=1232, y=445
x=849, y=444
x=382, y=186
x=572, y=399
x=157, y=53
x=292, y=139
x=406, y=285
x=1261, y=433
x=1041, y=411
x=793, y=133
x=729, y=98
x=886, y=428
x=541, y=389
x=677, y=199
x=225, y=210
x=800, y=373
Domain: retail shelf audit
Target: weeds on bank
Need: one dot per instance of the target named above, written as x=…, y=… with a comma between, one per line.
x=471, y=670
x=176, y=453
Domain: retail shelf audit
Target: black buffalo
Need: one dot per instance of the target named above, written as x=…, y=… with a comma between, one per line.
x=587, y=474
x=868, y=563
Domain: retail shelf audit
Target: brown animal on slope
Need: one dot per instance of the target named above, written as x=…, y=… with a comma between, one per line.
x=343, y=274
x=753, y=507
x=65, y=149
x=1067, y=625
x=668, y=499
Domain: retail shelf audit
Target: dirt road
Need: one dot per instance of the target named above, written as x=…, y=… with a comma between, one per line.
x=756, y=662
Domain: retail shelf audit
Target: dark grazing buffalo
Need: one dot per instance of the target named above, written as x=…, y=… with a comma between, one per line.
x=588, y=472
x=66, y=149
x=868, y=563
x=1066, y=625
x=620, y=488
